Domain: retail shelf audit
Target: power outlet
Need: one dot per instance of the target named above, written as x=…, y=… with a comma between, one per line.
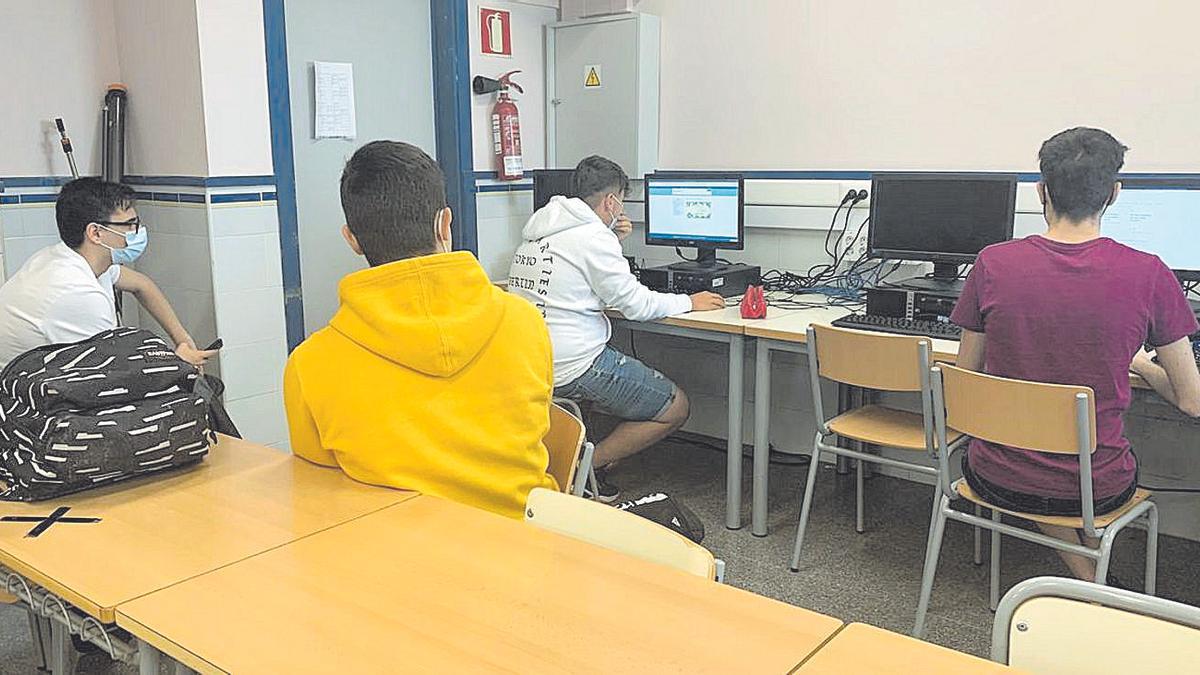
x=855, y=248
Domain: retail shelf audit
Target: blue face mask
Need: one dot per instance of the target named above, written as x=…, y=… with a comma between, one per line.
x=135, y=246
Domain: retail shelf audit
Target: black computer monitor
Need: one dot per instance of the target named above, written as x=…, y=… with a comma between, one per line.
x=1159, y=216
x=704, y=210
x=943, y=218
x=548, y=183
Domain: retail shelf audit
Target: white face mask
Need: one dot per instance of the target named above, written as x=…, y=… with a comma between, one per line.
x=616, y=214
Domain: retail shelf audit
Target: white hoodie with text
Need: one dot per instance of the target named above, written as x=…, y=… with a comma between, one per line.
x=571, y=267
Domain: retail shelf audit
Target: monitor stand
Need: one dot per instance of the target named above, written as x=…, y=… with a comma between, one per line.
x=706, y=259
x=944, y=280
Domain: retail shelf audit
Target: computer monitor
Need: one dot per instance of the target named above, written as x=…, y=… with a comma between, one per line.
x=701, y=210
x=944, y=218
x=548, y=183
x=1159, y=216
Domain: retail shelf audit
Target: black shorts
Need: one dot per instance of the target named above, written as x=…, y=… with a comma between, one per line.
x=1012, y=500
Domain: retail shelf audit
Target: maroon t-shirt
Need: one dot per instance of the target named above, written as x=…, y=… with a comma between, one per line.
x=1069, y=314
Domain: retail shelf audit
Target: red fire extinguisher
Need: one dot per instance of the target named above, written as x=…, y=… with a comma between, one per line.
x=506, y=125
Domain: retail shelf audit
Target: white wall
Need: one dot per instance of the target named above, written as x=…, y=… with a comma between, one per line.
x=529, y=58
x=388, y=42
x=925, y=84
x=159, y=53
x=234, y=81
x=59, y=56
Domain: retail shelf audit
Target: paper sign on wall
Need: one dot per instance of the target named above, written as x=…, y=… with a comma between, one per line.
x=334, y=94
x=495, y=32
x=591, y=76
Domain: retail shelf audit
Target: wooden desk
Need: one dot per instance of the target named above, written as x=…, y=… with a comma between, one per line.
x=859, y=648
x=433, y=586
x=241, y=500
x=726, y=326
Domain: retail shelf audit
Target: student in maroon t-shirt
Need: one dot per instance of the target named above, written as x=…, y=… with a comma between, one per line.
x=1073, y=307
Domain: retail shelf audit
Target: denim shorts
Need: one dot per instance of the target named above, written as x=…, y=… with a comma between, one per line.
x=623, y=387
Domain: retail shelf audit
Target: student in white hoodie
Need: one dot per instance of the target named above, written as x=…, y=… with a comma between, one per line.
x=570, y=266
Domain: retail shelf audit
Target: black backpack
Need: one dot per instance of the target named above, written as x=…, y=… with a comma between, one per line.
x=117, y=405
x=668, y=512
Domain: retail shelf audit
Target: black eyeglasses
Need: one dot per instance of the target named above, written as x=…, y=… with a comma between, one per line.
x=135, y=224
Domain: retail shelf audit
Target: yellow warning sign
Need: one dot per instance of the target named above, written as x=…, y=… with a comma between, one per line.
x=591, y=76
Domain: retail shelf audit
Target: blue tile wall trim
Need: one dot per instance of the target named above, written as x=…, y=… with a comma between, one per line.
x=201, y=181
x=235, y=198
x=38, y=199
x=10, y=199
x=186, y=198
x=269, y=196
x=508, y=187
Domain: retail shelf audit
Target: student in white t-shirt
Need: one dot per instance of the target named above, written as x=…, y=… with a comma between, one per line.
x=65, y=292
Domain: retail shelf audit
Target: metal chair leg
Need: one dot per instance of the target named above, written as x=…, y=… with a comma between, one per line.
x=932, y=551
x=858, y=498
x=995, y=571
x=978, y=559
x=1151, y=549
x=806, y=506
x=38, y=639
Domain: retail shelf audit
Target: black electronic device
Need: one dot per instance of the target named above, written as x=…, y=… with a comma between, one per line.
x=549, y=183
x=216, y=344
x=1159, y=216
x=900, y=326
x=943, y=218
x=702, y=210
x=724, y=280
x=906, y=312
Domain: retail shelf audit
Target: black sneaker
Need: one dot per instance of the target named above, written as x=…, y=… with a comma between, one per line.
x=608, y=492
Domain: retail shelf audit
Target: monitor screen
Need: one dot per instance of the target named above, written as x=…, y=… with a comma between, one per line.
x=548, y=183
x=694, y=211
x=940, y=216
x=1159, y=219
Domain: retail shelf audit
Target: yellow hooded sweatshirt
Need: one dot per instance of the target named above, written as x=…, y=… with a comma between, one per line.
x=428, y=378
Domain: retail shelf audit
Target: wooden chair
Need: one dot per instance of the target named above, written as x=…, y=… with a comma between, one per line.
x=1050, y=418
x=570, y=452
x=618, y=530
x=877, y=361
x=1061, y=626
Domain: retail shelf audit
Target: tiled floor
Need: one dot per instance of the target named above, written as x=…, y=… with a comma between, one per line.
x=873, y=577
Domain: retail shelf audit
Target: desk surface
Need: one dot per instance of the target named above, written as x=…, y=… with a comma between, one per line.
x=728, y=320
x=859, y=648
x=440, y=587
x=242, y=500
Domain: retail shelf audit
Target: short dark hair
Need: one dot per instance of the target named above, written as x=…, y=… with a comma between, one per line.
x=391, y=192
x=86, y=200
x=1079, y=167
x=596, y=176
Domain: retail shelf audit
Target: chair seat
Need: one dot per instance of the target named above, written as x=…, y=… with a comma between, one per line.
x=880, y=425
x=964, y=490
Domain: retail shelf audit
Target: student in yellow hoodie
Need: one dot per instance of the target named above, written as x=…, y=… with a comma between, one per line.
x=428, y=377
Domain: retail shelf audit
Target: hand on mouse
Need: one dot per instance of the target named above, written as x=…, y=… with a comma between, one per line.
x=705, y=301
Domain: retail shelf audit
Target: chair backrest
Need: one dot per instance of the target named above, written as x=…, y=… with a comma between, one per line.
x=1036, y=416
x=1068, y=626
x=871, y=360
x=618, y=530
x=564, y=441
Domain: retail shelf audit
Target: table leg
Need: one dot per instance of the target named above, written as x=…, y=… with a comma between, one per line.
x=733, y=467
x=60, y=648
x=148, y=658
x=762, y=438
x=845, y=400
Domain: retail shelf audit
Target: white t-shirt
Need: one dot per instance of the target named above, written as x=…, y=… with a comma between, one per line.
x=54, y=297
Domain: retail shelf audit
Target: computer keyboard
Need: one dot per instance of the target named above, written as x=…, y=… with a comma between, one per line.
x=900, y=326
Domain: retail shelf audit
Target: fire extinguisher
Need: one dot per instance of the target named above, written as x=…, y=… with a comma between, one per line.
x=506, y=124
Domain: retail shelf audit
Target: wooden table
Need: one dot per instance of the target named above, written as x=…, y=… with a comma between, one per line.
x=726, y=326
x=788, y=332
x=432, y=586
x=243, y=499
x=859, y=648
